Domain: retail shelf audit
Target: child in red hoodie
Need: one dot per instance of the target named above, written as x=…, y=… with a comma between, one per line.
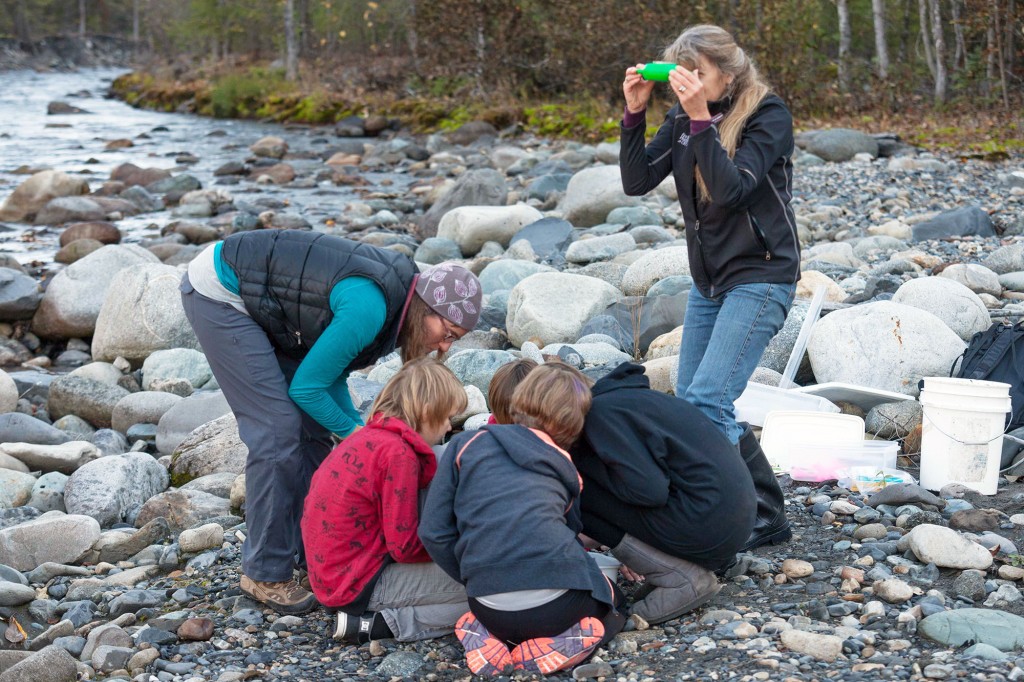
x=361, y=515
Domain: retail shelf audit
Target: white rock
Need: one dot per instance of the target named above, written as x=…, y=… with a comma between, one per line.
x=653, y=267
x=840, y=253
x=820, y=647
x=975, y=277
x=591, y=195
x=73, y=299
x=665, y=345
x=56, y=537
x=8, y=393
x=949, y=300
x=553, y=307
x=892, y=228
x=65, y=458
x=472, y=226
x=142, y=313
x=893, y=590
x=662, y=373
x=270, y=146
x=195, y=540
x=945, y=547
x=809, y=282
x=882, y=345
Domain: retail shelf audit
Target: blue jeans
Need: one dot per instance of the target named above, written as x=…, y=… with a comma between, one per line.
x=723, y=340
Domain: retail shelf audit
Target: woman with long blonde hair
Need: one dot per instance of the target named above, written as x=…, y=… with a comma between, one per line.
x=728, y=143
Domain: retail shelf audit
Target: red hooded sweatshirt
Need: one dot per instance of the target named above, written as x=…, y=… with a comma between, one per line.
x=361, y=512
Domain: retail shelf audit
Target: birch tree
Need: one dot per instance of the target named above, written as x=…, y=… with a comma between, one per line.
x=291, y=58
x=844, y=45
x=881, y=49
x=81, y=18
x=940, y=52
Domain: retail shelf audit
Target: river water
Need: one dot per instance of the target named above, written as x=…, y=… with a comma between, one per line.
x=75, y=143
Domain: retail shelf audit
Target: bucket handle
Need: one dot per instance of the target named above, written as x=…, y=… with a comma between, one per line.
x=984, y=442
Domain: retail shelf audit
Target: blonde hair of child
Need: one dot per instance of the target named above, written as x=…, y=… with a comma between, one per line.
x=423, y=394
x=554, y=398
x=503, y=385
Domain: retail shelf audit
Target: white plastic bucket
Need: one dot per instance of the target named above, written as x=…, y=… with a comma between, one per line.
x=961, y=433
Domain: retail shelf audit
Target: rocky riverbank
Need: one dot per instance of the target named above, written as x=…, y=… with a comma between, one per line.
x=120, y=465
x=63, y=53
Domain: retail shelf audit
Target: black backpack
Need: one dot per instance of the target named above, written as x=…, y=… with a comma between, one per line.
x=997, y=354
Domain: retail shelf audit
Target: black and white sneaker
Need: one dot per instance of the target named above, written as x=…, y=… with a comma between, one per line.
x=352, y=629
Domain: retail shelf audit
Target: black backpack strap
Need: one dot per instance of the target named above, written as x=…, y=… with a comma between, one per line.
x=1003, y=341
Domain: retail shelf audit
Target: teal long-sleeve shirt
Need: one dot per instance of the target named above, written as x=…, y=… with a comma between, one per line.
x=320, y=384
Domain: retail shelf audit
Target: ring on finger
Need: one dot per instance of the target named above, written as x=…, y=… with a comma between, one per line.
x=681, y=88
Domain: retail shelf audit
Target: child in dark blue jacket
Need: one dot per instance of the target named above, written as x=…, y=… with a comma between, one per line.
x=502, y=518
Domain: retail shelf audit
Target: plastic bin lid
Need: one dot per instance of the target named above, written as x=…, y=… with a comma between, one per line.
x=785, y=428
x=863, y=397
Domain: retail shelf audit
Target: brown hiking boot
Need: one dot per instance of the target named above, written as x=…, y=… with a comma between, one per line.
x=286, y=597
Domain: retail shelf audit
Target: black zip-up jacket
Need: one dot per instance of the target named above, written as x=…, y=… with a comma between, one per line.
x=285, y=278
x=682, y=478
x=747, y=233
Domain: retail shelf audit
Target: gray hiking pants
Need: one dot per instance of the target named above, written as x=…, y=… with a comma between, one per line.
x=285, y=444
x=418, y=601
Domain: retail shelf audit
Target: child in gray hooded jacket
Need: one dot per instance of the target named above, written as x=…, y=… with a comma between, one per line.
x=502, y=518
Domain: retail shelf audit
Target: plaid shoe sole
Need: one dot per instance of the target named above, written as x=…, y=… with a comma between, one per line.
x=546, y=655
x=485, y=655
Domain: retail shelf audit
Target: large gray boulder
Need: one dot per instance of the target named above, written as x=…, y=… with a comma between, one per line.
x=73, y=299
x=18, y=427
x=552, y=307
x=19, y=295
x=56, y=537
x=186, y=416
x=607, y=247
x=477, y=367
x=30, y=196
x=1006, y=259
x=113, y=488
x=952, y=302
x=49, y=664
x=505, y=274
x=144, y=407
x=960, y=222
x=91, y=400
x=653, y=267
x=183, y=509
x=548, y=237
x=70, y=210
x=480, y=187
x=473, y=226
x=176, y=363
x=212, y=448
x=840, y=144
x=592, y=194
x=882, y=345
x=142, y=314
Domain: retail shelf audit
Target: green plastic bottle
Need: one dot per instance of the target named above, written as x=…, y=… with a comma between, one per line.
x=656, y=71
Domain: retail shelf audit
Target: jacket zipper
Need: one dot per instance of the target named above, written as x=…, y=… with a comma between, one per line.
x=298, y=337
x=759, y=236
x=700, y=250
